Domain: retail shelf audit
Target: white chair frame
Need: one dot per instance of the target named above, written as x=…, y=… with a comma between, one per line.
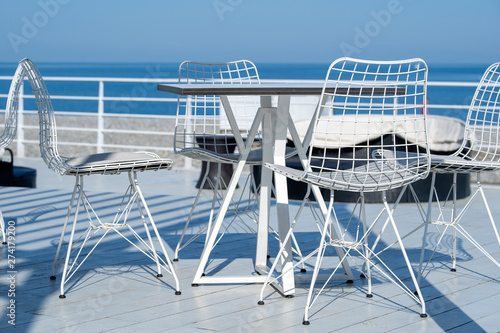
x=479, y=152
x=378, y=93
x=199, y=120
x=97, y=164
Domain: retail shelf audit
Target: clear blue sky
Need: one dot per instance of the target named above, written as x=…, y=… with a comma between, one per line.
x=260, y=30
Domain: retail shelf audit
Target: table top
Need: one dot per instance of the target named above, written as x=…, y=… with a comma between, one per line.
x=272, y=89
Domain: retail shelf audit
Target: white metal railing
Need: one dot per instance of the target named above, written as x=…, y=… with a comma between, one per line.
x=101, y=112
x=100, y=115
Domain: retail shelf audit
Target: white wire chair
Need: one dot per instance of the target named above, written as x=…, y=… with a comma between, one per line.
x=479, y=152
x=363, y=103
x=96, y=164
x=10, y=125
x=203, y=132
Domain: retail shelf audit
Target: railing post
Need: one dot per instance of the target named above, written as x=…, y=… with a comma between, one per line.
x=188, y=162
x=100, y=118
x=20, y=122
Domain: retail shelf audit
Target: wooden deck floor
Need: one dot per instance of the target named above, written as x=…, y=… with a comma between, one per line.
x=117, y=291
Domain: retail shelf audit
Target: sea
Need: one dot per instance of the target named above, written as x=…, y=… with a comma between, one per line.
x=315, y=71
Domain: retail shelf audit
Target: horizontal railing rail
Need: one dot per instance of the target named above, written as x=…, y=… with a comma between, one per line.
x=102, y=131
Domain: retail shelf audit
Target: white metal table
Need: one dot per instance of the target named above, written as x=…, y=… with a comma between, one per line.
x=275, y=121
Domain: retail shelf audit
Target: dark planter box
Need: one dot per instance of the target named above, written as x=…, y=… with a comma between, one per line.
x=20, y=177
x=297, y=190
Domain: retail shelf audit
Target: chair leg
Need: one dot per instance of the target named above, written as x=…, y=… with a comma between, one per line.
x=386, y=223
x=214, y=200
x=366, y=252
x=146, y=228
x=480, y=188
x=282, y=249
x=426, y=227
x=464, y=233
x=366, y=264
x=207, y=227
x=179, y=246
x=423, y=313
x=421, y=210
x=454, y=223
x=134, y=195
x=65, y=225
x=275, y=263
x=296, y=247
x=441, y=220
x=70, y=243
x=238, y=210
x=319, y=259
x=151, y=244
x=137, y=190
x=453, y=219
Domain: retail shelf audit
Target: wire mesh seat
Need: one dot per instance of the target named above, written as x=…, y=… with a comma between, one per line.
x=361, y=102
x=97, y=164
x=479, y=152
x=204, y=132
x=10, y=125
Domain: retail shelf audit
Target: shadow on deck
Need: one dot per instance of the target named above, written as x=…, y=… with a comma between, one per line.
x=117, y=289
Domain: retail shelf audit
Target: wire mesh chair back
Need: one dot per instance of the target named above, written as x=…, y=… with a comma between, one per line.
x=10, y=125
x=482, y=129
x=202, y=126
x=48, y=132
x=370, y=130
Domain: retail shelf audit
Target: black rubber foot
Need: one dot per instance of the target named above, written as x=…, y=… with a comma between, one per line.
x=159, y=275
x=453, y=270
x=349, y=281
x=305, y=322
x=289, y=296
x=52, y=277
x=178, y=292
x=369, y=295
x=363, y=276
x=303, y=270
x=260, y=302
x=203, y=274
x=416, y=293
x=423, y=315
x=195, y=285
x=175, y=259
x=62, y=296
x=268, y=256
x=4, y=243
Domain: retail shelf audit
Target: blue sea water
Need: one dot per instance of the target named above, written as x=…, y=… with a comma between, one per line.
x=436, y=95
